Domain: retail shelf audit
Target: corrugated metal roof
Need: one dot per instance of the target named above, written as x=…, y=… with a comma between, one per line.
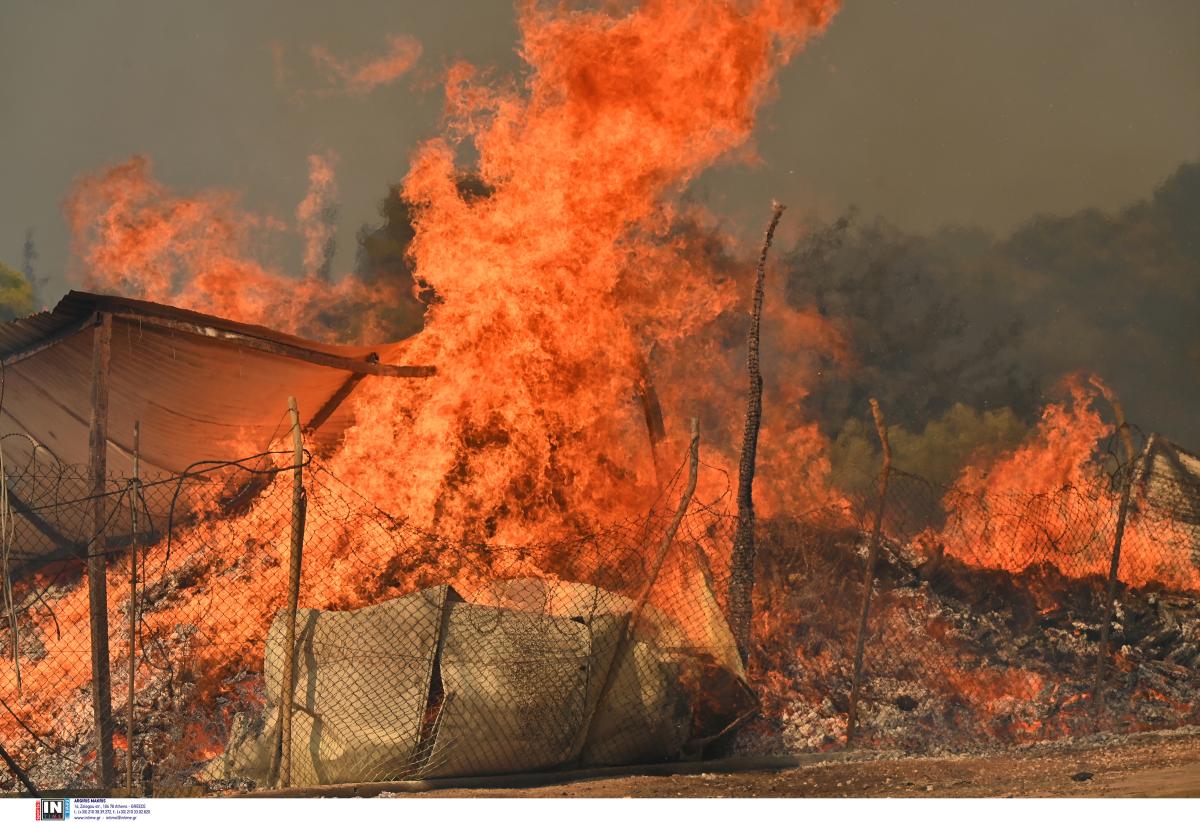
x=200, y=387
x=26, y=331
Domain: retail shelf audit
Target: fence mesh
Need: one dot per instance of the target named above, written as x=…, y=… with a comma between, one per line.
x=415, y=655
x=418, y=655
x=986, y=615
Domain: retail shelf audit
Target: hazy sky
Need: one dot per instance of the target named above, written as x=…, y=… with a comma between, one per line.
x=923, y=111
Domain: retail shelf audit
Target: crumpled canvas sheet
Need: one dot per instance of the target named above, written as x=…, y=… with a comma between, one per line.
x=532, y=675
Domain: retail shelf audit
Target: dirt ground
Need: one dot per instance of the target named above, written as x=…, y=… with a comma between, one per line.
x=1141, y=765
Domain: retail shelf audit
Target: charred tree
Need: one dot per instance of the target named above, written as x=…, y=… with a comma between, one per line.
x=741, y=565
x=29, y=257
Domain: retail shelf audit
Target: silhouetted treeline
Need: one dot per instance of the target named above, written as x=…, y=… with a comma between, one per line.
x=959, y=317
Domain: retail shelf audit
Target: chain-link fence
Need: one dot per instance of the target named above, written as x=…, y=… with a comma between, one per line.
x=418, y=655
x=414, y=655
x=986, y=622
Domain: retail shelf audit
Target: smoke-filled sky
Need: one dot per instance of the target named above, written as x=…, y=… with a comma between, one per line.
x=923, y=112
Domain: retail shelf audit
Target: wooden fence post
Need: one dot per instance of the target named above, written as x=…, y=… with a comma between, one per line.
x=1115, y=561
x=294, y=567
x=1110, y=596
x=869, y=577
x=135, y=500
x=97, y=553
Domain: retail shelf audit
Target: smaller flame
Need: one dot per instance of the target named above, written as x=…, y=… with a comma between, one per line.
x=361, y=77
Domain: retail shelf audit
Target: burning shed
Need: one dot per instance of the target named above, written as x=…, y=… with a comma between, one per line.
x=414, y=654
x=201, y=389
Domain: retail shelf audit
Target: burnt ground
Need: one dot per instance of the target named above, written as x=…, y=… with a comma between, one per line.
x=1140, y=765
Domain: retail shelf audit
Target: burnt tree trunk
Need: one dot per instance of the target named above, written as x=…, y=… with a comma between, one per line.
x=741, y=564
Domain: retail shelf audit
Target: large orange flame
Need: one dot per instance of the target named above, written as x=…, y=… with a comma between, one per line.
x=570, y=281
x=565, y=285
x=564, y=277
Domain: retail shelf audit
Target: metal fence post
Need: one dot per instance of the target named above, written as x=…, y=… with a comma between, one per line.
x=869, y=577
x=19, y=772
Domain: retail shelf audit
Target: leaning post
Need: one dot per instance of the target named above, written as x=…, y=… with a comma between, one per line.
x=635, y=613
x=1110, y=594
x=294, y=566
x=1115, y=561
x=869, y=577
x=97, y=551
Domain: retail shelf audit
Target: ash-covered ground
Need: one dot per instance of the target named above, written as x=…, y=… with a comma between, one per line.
x=957, y=657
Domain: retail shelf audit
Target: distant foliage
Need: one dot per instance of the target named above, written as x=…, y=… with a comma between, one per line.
x=961, y=317
x=16, y=295
x=937, y=453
